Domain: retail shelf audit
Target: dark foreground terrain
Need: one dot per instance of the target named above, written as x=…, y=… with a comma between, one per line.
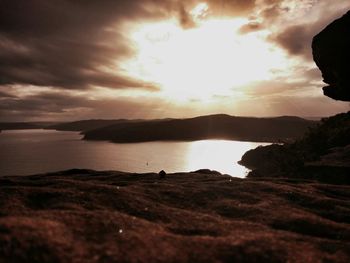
x=88, y=216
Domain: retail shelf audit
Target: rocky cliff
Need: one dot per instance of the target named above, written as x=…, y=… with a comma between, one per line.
x=331, y=52
x=323, y=153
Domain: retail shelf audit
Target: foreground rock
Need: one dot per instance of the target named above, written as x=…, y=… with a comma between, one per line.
x=88, y=216
x=331, y=52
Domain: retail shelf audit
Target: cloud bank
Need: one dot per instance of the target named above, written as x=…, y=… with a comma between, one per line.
x=53, y=54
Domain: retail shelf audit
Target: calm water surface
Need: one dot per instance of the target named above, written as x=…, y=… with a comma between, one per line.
x=27, y=152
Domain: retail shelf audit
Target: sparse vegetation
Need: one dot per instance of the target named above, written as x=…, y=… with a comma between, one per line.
x=290, y=159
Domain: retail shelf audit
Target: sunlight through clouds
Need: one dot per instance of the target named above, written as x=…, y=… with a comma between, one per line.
x=200, y=11
x=211, y=58
x=170, y=58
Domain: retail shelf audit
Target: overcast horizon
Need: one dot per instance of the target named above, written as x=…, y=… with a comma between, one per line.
x=69, y=60
x=188, y=117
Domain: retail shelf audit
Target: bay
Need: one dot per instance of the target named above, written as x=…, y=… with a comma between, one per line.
x=25, y=152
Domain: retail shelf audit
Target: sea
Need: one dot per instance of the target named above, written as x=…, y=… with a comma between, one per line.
x=26, y=152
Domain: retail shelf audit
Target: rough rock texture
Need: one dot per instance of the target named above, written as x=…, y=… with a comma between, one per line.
x=88, y=216
x=331, y=52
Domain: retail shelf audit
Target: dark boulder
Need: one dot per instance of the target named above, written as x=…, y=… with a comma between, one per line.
x=162, y=174
x=331, y=52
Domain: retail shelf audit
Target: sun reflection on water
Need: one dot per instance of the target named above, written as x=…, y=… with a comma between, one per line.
x=40, y=151
x=219, y=155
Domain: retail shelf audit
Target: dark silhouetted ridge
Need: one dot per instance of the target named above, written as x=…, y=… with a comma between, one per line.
x=323, y=152
x=84, y=125
x=23, y=125
x=218, y=126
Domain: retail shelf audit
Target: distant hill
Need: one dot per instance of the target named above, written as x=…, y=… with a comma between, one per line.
x=87, y=125
x=83, y=125
x=24, y=125
x=220, y=126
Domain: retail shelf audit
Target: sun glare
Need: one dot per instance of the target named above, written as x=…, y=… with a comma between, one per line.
x=198, y=63
x=200, y=11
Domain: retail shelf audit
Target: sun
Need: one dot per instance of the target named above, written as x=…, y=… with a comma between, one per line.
x=210, y=59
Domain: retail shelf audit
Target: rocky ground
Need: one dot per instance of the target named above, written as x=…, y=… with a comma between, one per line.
x=323, y=153
x=88, y=216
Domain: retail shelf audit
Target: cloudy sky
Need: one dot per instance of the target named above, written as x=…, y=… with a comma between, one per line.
x=80, y=59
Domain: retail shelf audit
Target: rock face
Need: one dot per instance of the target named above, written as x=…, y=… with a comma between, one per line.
x=86, y=216
x=331, y=52
x=323, y=153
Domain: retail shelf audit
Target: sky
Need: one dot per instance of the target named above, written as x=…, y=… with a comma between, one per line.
x=64, y=60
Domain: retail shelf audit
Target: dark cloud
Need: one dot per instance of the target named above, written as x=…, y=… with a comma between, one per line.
x=272, y=10
x=45, y=102
x=251, y=27
x=274, y=87
x=289, y=24
x=75, y=45
x=296, y=39
x=38, y=18
x=307, y=106
x=217, y=8
x=4, y=95
x=65, y=43
x=313, y=74
x=67, y=106
x=184, y=17
x=231, y=7
x=263, y=14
